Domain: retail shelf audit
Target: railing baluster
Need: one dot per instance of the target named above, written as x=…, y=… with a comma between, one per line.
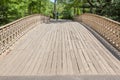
x=108, y=28
x=13, y=31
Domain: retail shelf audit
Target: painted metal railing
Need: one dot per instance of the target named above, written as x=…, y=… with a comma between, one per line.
x=11, y=32
x=107, y=28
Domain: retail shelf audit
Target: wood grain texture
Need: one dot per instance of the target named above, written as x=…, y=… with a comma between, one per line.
x=107, y=28
x=59, y=48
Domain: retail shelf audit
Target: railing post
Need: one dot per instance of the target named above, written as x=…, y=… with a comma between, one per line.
x=13, y=31
x=108, y=28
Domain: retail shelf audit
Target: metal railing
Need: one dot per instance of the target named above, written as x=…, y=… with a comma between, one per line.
x=11, y=32
x=107, y=28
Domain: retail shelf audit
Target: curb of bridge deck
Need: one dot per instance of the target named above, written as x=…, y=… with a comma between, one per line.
x=112, y=49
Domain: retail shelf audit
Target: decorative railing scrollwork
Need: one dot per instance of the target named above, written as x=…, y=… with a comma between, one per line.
x=108, y=28
x=11, y=32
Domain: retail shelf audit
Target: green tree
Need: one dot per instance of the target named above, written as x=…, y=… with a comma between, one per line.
x=11, y=10
x=4, y=11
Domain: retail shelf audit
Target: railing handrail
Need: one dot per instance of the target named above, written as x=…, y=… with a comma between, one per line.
x=11, y=32
x=108, y=28
x=1, y=27
x=104, y=18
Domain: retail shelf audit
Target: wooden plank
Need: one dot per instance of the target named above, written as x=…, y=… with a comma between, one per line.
x=64, y=43
x=93, y=70
x=68, y=52
x=62, y=48
x=46, y=54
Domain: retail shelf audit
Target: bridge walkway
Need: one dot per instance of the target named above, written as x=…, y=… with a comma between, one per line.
x=58, y=48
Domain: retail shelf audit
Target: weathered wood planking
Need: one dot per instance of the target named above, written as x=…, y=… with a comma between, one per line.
x=62, y=48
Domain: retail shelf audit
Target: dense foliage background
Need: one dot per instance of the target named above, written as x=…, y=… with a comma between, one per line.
x=11, y=10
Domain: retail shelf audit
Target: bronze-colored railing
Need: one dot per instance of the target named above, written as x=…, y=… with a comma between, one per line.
x=108, y=28
x=11, y=32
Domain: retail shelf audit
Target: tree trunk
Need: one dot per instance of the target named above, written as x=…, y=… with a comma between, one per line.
x=54, y=13
x=91, y=9
x=40, y=7
x=83, y=9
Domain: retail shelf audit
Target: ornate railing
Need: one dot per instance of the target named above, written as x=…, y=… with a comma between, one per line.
x=13, y=31
x=108, y=28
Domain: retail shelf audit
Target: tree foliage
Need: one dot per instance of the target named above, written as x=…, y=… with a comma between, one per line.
x=108, y=8
x=112, y=10
x=13, y=9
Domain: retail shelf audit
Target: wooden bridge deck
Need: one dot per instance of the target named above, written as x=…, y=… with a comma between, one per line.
x=61, y=48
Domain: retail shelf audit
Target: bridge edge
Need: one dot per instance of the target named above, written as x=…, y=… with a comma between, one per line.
x=107, y=45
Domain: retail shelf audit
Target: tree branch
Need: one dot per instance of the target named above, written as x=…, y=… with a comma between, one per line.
x=90, y=3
